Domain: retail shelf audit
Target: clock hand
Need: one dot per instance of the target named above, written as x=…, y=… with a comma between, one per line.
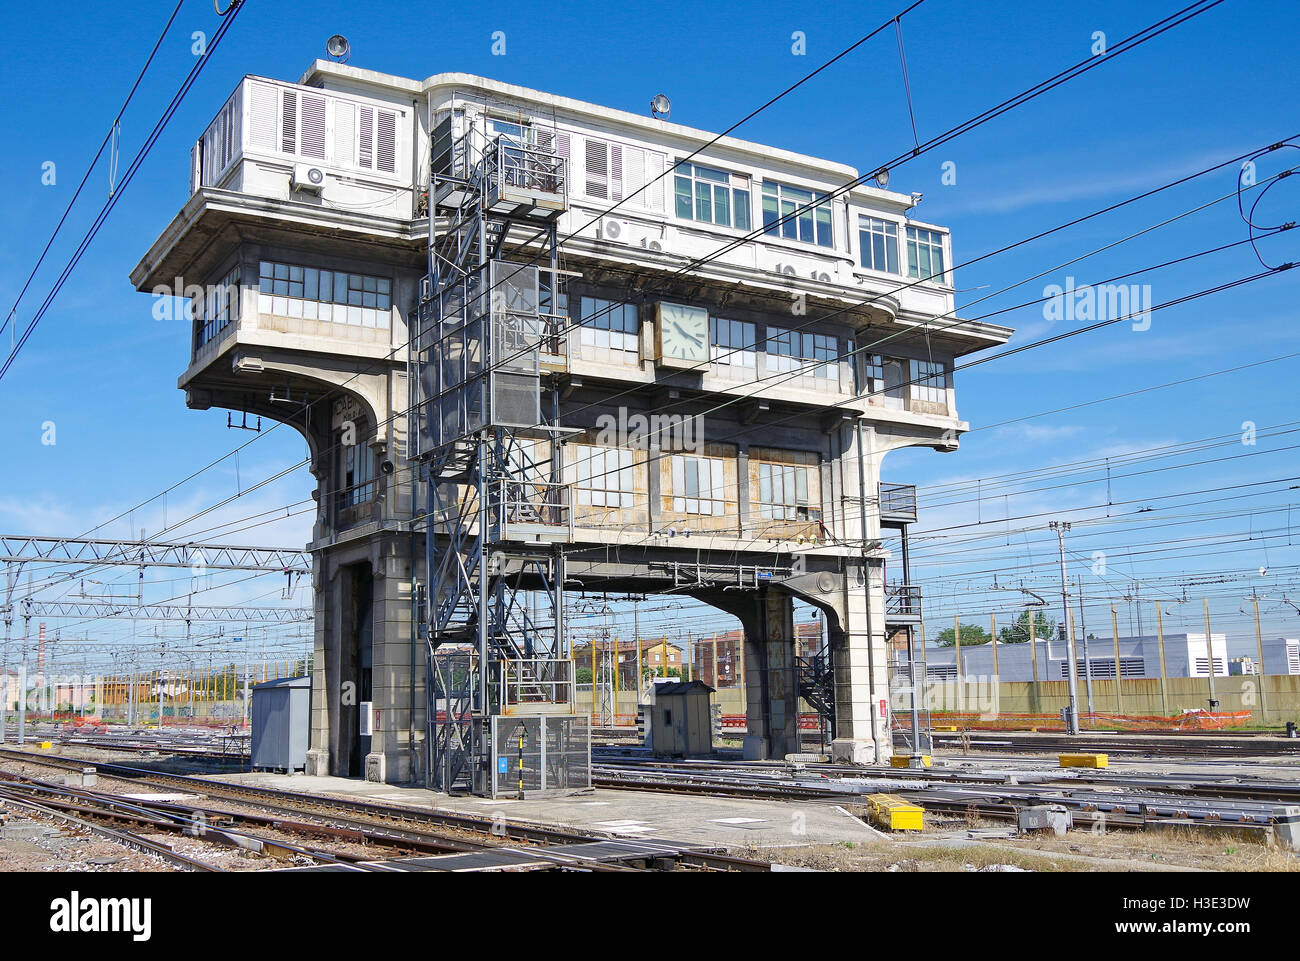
x=693, y=339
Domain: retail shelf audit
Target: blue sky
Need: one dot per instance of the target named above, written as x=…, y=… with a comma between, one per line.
x=104, y=371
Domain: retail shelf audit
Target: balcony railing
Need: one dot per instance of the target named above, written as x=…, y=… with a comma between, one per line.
x=902, y=603
x=530, y=510
x=897, y=503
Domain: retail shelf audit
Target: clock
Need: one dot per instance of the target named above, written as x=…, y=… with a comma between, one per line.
x=683, y=335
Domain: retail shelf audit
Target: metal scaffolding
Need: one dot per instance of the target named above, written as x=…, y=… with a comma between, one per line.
x=500, y=708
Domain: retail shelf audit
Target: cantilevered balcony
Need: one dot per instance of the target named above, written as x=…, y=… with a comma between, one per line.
x=897, y=504
x=902, y=604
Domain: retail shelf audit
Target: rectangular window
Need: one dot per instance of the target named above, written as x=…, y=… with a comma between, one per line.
x=220, y=305
x=807, y=223
x=334, y=296
x=732, y=342
x=697, y=485
x=356, y=473
x=928, y=382
x=878, y=240
x=516, y=131
x=783, y=492
x=873, y=373
x=711, y=196
x=608, y=324
x=925, y=254
x=792, y=350
x=602, y=476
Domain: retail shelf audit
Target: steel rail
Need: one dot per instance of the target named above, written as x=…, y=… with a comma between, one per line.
x=294, y=802
x=128, y=839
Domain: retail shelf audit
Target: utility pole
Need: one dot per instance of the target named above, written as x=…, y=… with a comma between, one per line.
x=636, y=635
x=1259, y=671
x=1087, y=662
x=1209, y=650
x=1072, y=720
x=22, y=692
x=1114, y=633
x=4, y=661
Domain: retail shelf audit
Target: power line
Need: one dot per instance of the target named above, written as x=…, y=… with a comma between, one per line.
x=1123, y=46
x=114, y=126
x=229, y=18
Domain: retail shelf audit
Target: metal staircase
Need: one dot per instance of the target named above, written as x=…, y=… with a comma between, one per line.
x=497, y=512
x=816, y=679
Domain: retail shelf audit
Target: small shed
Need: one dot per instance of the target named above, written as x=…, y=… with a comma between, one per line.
x=681, y=720
x=281, y=712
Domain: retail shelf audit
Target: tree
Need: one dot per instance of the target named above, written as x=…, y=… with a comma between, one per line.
x=1018, y=632
x=971, y=636
x=582, y=675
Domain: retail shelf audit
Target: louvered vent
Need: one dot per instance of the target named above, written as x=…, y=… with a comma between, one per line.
x=366, y=152
x=597, y=169
x=312, y=134
x=261, y=123
x=386, y=149
x=289, y=124
x=616, y=172
x=345, y=132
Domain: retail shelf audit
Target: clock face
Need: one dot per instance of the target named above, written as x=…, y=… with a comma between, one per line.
x=683, y=334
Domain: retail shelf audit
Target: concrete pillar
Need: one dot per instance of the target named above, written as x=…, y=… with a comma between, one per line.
x=336, y=680
x=768, y=674
x=390, y=757
x=860, y=655
x=772, y=693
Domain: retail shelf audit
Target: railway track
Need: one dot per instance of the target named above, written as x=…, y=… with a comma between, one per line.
x=126, y=838
x=1124, y=744
x=1114, y=799
x=398, y=825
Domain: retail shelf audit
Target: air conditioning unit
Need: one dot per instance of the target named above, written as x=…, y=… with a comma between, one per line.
x=654, y=245
x=307, y=177
x=615, y=231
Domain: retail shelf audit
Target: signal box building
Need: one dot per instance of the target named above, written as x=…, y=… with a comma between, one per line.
x=721, y=342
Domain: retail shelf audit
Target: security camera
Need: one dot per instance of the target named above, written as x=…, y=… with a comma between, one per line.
x=386, y=466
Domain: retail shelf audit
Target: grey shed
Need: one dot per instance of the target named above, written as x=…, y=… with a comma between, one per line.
x=681, y=722
x=281, y=724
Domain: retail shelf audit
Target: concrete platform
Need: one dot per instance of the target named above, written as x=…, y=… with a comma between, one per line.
x=721, y=822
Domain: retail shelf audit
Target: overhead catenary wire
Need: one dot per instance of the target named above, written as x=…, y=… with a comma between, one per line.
x=141, y=154
x=114, y=130
x=1123, y=46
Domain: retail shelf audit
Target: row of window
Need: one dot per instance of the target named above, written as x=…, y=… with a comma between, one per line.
x=604, y=477
x=710, y=196
x=220, y=305
x=927, y=377
x=878, y=243
x=614, y=325
x=607, y=170
x=335, y=296
x=734, y=343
